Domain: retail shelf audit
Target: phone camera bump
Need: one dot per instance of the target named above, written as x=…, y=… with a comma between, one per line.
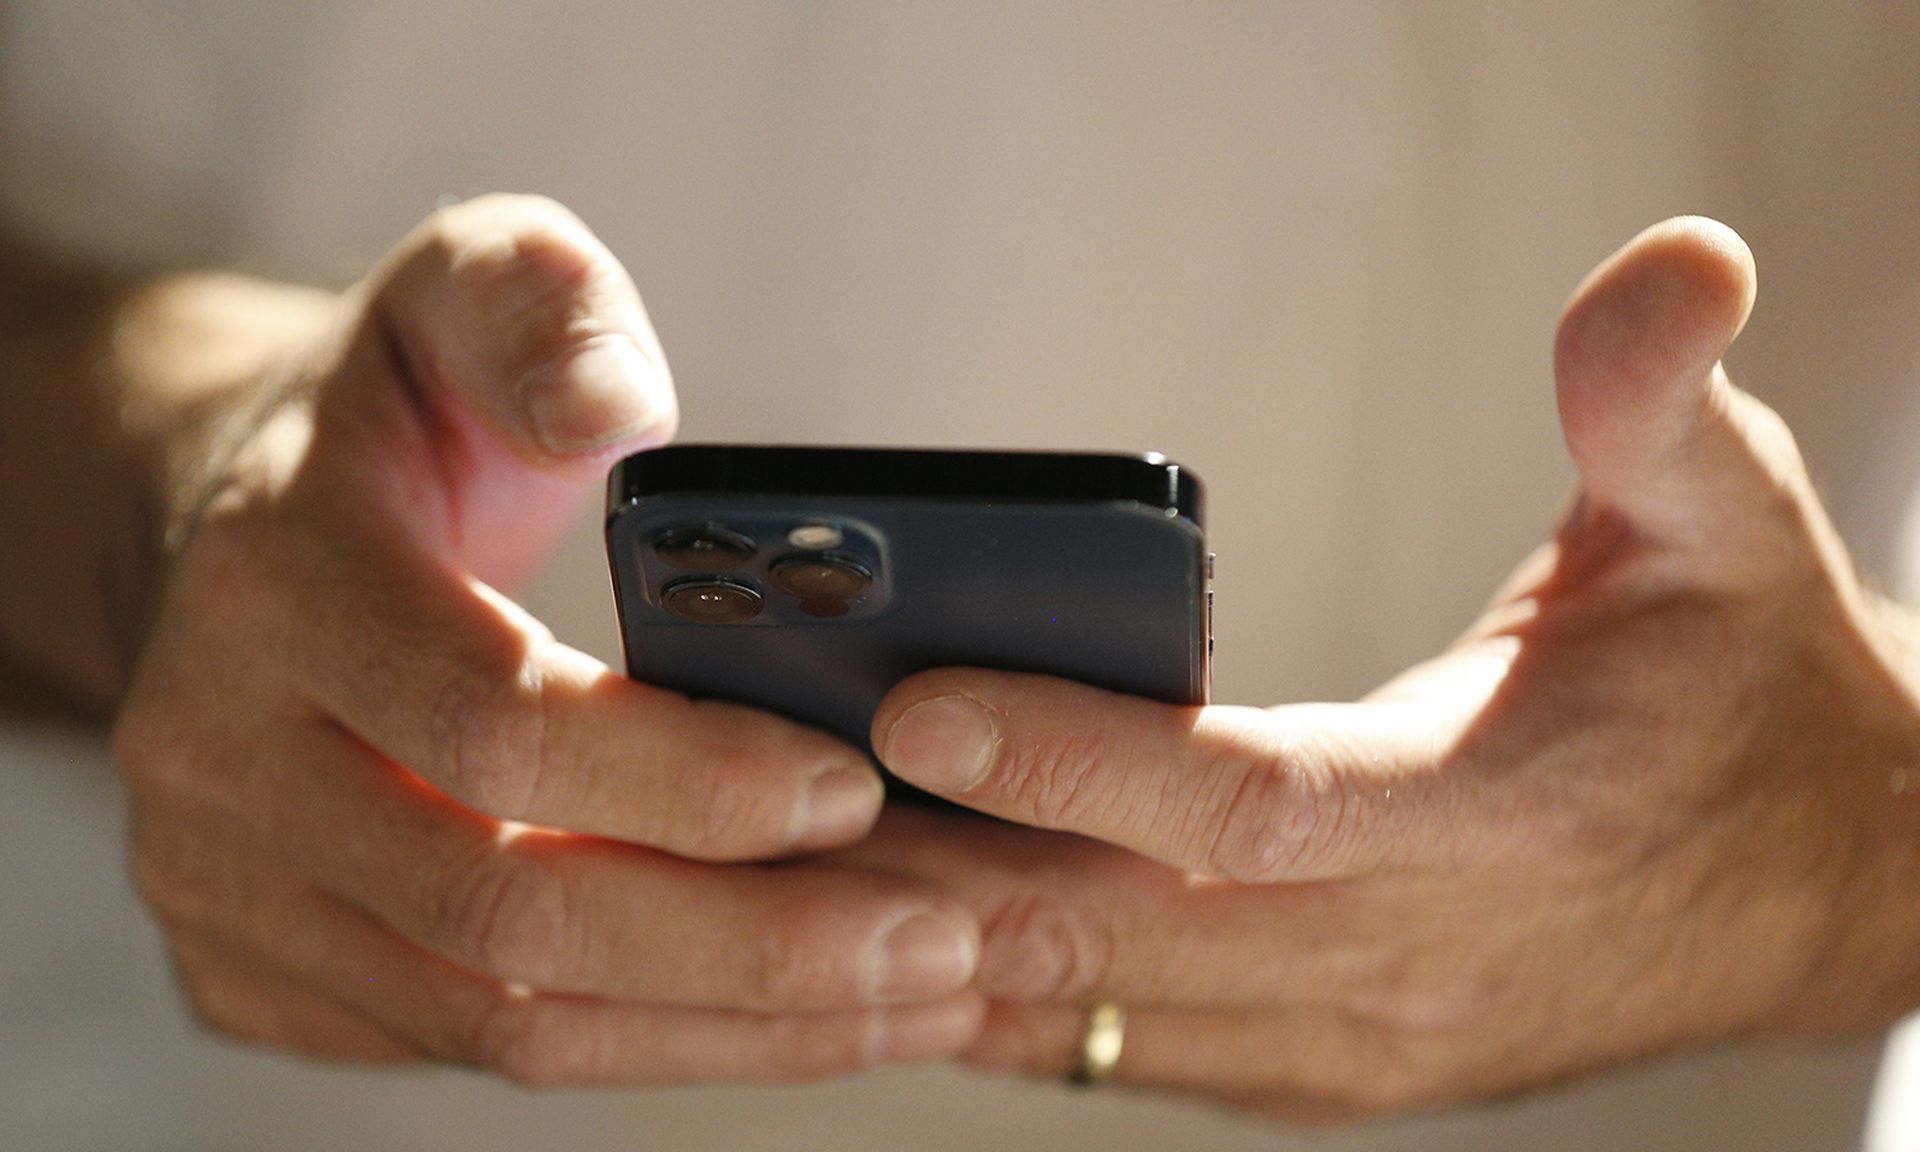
x=707, y=547
x=711, y=600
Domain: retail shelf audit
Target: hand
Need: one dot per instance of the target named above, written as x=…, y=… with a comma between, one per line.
x=382, y=815
x=1666, y=791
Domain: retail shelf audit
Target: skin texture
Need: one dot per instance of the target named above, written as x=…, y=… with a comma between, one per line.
x=1664, y=792
x=380, y=813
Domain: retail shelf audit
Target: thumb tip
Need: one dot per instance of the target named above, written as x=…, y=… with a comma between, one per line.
x=1639, y=338
x=602, y=395
x=1716, y=262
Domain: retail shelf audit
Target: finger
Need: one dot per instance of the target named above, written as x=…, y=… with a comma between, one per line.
x=555, y=1041
x=448, y=678
x=501, y=358
x=1635, y=354
x=588, y=915
x=1311, y=1064
x=540, y=1038
x=1663, y=441
x=1066, y=920
x=384, y=632
x=1296, y=793
x=253, y=1004
x=515, y=307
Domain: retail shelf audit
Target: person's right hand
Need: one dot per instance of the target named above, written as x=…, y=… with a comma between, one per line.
x=382, y=815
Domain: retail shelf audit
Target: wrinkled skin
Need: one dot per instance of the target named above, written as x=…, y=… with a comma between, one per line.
x=1665, y=791
x=381, y=815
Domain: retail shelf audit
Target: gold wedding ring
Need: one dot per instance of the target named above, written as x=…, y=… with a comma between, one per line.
x=1100, y=1044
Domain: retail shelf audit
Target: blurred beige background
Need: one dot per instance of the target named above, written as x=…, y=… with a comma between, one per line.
x=1313, y=251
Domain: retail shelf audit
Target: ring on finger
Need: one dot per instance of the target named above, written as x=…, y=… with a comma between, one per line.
x=1100, y=1044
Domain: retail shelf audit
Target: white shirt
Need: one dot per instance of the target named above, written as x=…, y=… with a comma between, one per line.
x=1314, y=252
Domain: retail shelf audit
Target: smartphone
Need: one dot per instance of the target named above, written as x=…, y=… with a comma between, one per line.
x=810, y=581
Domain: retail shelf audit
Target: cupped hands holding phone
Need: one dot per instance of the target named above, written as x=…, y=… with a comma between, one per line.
x=1666, y=791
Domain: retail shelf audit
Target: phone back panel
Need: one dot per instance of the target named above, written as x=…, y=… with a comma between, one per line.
x=1109, y=592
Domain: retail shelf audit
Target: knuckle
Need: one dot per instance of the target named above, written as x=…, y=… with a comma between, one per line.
x=512, y=918
x=212, y=574
x=1415, y=993
x=790, y=969
x=1037, y=947
x=521, y=265
x=513, y=271
x=174, y=732
x=1280, y=821
x=159, y=758
x=487, y=733
x=174, y=898
x=736, y=808
x=1053, y=782
x=159, y=754
x=519, y=260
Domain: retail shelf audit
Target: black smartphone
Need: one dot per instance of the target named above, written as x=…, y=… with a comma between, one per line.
x=810, y=581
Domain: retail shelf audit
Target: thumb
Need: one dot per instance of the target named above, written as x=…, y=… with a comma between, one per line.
x=510, y=302
x=503, y=360
x=1636, y=365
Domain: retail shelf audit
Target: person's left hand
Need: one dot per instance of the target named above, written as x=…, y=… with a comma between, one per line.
x=1666, y=791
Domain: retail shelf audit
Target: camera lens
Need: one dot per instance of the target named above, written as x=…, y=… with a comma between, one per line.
x=711, y=601
x=825, y=607
x=707, y=547
x=820, y=577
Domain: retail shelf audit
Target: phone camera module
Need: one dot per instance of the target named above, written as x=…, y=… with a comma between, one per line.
x=707, y=548
x=705, y=600
x=815, y=578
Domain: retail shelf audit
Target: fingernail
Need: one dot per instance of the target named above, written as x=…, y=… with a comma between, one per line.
x=594, y=395
x=945, y=744
x=836, y=808
x=923, y=1032
x=922, y=956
